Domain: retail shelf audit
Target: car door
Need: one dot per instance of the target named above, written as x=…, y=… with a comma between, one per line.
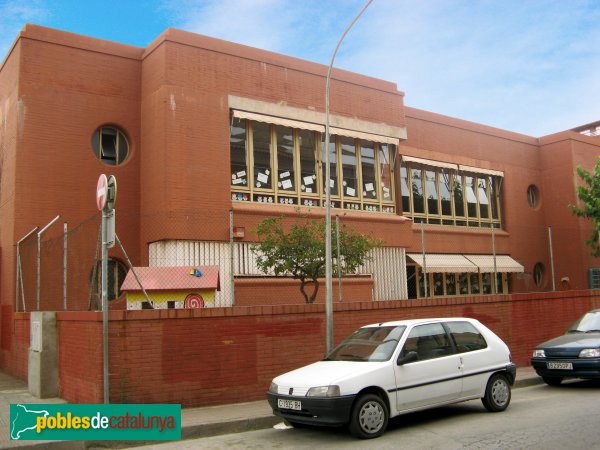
x=435, y=377
x=474, y=354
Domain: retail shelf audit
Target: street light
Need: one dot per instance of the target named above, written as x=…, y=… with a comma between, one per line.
x=328, y=268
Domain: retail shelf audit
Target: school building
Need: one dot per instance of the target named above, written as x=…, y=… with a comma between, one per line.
x=207, y=138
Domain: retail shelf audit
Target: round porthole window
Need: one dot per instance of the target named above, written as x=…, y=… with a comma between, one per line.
x=538, y=274
x=533, y=196
x=110, y=145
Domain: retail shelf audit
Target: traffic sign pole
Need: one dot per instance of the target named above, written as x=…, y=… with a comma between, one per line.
x=106, y=194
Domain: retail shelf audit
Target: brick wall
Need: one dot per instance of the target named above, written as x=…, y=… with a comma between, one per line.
x=228, y=355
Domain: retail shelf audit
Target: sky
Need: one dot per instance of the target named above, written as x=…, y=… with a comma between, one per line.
x=527, y=66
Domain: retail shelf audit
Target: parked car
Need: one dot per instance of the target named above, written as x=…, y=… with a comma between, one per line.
x=386, y=369
x=575, y=354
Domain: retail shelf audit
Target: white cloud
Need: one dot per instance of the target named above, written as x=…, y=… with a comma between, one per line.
x=524, y=66
x=14, y=14
x=305, y=28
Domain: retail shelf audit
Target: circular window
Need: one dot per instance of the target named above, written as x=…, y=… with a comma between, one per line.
x=115, y=276
x=533, y=196
x=538, y=274
x=110, y=145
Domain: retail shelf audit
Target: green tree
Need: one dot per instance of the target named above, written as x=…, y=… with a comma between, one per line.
x=300, y=252
x=590, y=198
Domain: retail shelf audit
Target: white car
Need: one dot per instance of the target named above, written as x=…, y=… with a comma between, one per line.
x=386, y=369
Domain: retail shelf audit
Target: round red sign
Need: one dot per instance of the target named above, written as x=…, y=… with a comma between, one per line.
x=101, y=191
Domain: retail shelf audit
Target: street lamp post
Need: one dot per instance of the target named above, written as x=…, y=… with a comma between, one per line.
x=328, y=266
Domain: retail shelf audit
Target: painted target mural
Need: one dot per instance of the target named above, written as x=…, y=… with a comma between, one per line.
x=193, y=301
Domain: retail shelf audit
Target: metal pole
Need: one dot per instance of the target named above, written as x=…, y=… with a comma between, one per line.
x=424, y=261
x=130, y=265
x=339, y=259
x=328, y=280
x=19, y=273
x=231, y=262
x=65, y=227
x=551, y=258
x=105, y=217
x=494, y=253
x=39, y=258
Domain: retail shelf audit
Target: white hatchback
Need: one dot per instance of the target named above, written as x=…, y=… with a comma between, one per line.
x=386, y=369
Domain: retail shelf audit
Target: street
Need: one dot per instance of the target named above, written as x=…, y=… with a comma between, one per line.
x=539, y=417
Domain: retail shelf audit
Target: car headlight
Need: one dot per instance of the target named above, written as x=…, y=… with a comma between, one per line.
x=537, y=353
x=273, y=388
x=590, y=353
x=324, y=391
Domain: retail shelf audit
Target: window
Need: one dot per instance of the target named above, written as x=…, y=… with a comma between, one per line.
x=538, y=274
x=441, y=195
x=349, y=168
x=261, y=145
x=418, y=206
x=466, y=337
x=110, y=145
x=285, y=159
x=369, y=171
x=115, y=277
x=239, y=158
x=308, y=166
x=532, y=196
x=429, y=341
x=274, y=163
x=452, y=284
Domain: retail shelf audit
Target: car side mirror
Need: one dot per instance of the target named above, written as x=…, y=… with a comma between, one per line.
x=408, y=358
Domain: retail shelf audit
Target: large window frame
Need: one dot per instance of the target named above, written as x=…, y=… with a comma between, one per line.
x=298, y=185
x=443, y=196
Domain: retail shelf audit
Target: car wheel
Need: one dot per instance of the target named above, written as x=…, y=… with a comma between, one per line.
x=369, y=417
x=552, y=381
x=497, y=393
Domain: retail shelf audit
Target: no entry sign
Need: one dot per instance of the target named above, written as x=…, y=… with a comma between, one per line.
x=101, y=191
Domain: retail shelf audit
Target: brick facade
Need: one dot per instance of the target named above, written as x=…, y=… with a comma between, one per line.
x=173, y=99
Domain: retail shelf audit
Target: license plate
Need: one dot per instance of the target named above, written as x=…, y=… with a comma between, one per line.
x=560, y=365
x=289, y=404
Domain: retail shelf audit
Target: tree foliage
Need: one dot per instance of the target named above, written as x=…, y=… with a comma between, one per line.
x=590, y=198
x=300, y=251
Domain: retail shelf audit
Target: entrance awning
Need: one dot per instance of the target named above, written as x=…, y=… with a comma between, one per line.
x=443, y=263
x=504, y=263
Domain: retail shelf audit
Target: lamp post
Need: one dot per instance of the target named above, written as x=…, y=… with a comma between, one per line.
x=328, y=267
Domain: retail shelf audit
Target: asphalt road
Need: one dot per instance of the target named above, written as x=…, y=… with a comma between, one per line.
x=539, y=417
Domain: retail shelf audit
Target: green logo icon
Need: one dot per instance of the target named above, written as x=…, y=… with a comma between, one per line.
x=95, y=422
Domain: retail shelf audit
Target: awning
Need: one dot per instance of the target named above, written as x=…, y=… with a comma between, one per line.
x=504, y=263
x=443, y=263
x=479, y=170
x=278, y=121
x=364, y=136
x=429, y=162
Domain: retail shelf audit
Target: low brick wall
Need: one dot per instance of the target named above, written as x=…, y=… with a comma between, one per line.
x=227, y=355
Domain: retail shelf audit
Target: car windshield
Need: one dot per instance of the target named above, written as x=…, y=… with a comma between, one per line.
x=368, y=344
x=589, y=323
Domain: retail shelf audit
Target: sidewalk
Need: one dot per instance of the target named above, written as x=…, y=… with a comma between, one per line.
x=195, y=422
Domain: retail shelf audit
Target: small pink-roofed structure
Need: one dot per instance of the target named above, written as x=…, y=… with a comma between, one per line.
x=172, y=287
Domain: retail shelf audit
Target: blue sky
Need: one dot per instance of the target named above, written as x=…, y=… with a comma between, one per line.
x=529, y=66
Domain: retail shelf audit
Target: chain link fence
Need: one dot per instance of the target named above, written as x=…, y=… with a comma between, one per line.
x=60, y=268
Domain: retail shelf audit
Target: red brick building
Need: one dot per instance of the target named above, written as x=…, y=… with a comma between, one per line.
x=194, y=127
